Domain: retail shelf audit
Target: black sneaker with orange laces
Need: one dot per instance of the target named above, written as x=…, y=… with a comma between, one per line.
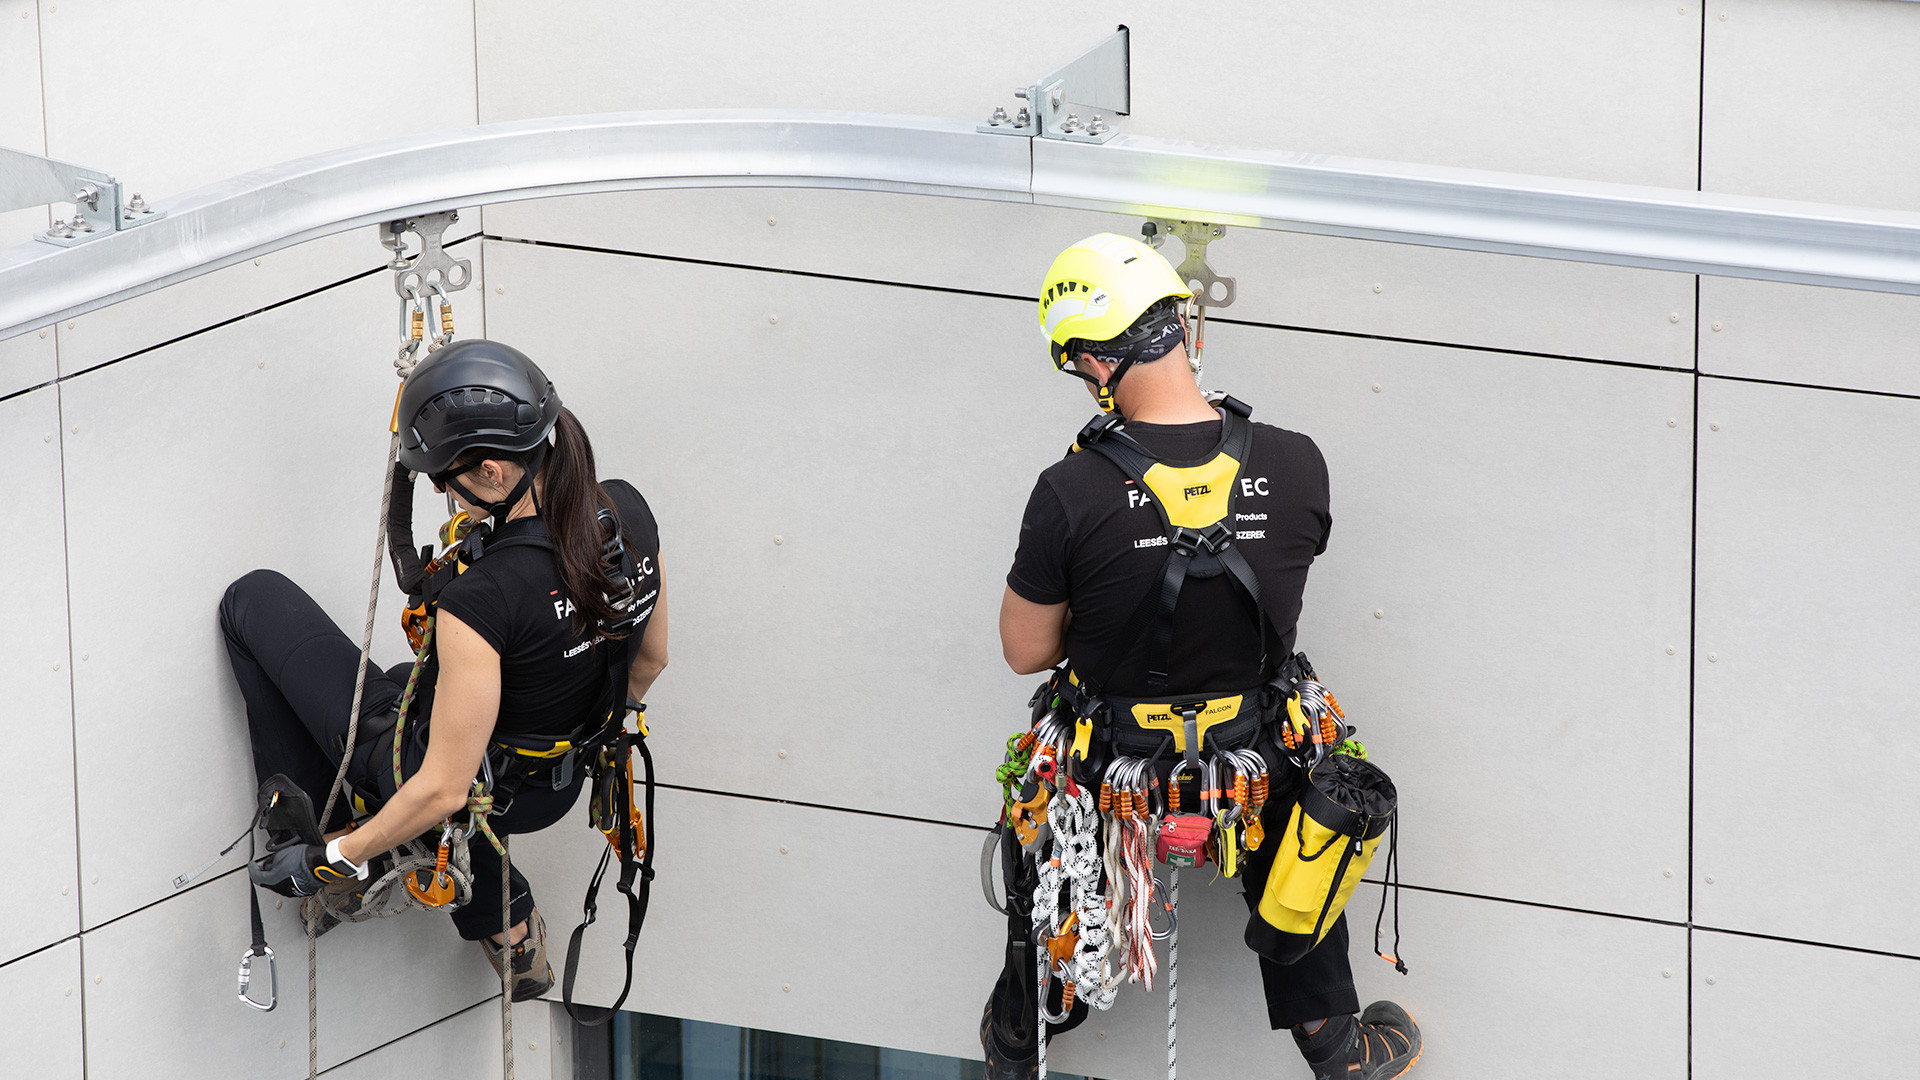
x=1381, y=1043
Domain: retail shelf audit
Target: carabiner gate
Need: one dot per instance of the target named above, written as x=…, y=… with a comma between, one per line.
x=246, y=977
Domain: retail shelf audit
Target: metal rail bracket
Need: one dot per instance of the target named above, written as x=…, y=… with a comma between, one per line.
x=1209, y=289
x=1099, y=81
x=28, y=180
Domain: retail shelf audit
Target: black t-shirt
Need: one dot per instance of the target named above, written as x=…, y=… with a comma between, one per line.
x=514, y=597
x=1089, y=539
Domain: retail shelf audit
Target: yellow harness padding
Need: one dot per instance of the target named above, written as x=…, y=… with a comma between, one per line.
x=1214, y=712
x=1194, y=496
x=1324, y=851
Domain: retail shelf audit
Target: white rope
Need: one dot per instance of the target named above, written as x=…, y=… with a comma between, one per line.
x=1173, y=968
x=1075, y=822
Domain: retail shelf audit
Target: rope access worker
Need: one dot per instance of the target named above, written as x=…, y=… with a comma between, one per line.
x=510, y=671
x=1092, y=546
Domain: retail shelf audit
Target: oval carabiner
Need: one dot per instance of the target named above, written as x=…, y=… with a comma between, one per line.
x=246, y=977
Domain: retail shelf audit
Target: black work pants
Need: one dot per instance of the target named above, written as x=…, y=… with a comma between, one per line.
x=1318, y=985
x=296, y=671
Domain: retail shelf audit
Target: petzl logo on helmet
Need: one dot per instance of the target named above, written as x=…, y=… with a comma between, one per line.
x=1070, y=299
x=1198, y=490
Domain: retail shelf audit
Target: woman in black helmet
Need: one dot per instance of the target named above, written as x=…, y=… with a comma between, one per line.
x=512, y=661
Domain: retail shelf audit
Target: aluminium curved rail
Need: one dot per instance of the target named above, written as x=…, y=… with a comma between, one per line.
x=263, y=211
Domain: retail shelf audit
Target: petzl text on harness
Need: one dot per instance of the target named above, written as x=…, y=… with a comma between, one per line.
x=1344, y=809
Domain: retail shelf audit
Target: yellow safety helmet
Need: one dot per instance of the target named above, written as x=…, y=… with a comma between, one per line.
x=1096, y=292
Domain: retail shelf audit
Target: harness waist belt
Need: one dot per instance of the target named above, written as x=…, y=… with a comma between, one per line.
x=1140, y=725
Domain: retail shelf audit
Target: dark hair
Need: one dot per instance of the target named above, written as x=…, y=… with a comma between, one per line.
x=570, y=500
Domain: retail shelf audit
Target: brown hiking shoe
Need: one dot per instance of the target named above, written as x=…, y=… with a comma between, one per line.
x=532, y=975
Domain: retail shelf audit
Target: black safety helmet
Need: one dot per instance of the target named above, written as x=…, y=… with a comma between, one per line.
x=473, y=394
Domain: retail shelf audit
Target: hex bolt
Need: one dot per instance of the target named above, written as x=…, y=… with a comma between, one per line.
x=999, y=116
x=60, y=231
x=1071, y=123
x=79, y=224
x=1023, y=118
x=1020, y=92
x=1098, y=126
x=138, y=205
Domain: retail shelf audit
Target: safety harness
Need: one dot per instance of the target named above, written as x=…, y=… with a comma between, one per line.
x=1212, y=802
x=604, y=747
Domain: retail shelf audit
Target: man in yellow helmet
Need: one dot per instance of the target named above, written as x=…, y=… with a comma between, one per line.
x=1177, y=579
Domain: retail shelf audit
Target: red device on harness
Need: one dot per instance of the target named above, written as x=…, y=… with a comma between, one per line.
x=1183, y=840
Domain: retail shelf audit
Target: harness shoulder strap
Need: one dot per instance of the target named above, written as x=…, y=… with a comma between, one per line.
x=1197, y=546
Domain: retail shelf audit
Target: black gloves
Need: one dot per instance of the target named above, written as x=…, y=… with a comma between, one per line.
x=301, y=869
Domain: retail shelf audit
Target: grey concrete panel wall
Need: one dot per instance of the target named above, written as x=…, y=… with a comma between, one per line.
x=180, y=93
x=36, y=670
x=179, y=310
x=40, y=999
x=1497, y=301
x=26, y=360
x=1509, y=550
x=1774, y=1008
x=21, y=123
x=795, y=918
x=239, y=466
x=1812, y=336
x=1611, y=1001
x=841, y=444
x=467, y=1045
x=1597, y=89
x=1813, y=99
x=378, y=981
x=1803, y=728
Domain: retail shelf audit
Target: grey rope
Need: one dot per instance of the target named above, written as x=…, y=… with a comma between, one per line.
x=506, y=968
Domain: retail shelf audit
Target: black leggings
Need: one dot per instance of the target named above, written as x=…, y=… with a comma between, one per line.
x=296, y=670
x=1318, y=985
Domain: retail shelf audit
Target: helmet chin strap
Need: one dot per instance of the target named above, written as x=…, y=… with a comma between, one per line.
x=497, y=511
x=1103, y=392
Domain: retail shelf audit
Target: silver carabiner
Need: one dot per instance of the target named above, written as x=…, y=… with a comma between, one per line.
x=246, y=977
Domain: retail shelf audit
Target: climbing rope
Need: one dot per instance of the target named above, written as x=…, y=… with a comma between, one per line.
x=1173, y=969
x=431, y=267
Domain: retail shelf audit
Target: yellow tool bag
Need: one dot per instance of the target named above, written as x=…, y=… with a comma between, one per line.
x=1343, y=810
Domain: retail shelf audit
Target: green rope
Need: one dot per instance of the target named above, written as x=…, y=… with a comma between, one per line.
x=480, y=804
x=406, y=697
x=1014, y=769
x=1352, y=748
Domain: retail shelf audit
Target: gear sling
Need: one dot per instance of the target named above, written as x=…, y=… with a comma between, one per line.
x=1346, y=805
x=605, y=745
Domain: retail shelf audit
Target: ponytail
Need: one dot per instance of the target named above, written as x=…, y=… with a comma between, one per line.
x=571, y=499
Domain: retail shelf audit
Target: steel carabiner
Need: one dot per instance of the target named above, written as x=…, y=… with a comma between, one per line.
x=246, y=978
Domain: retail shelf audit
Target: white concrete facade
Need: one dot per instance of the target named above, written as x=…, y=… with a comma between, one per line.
x=1639, y=543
